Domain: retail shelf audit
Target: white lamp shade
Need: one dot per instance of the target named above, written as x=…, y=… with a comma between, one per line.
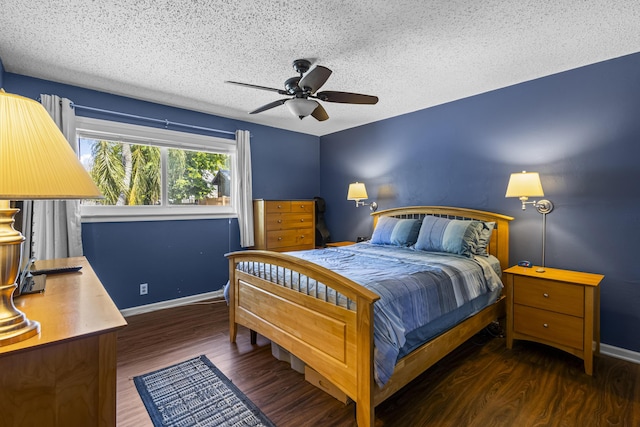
x=524, y=184
x=301, y=107
x=36, y=161
x=357, y=191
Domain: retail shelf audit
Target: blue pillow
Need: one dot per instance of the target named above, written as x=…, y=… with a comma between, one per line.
x=395, y=231
x=453, y=236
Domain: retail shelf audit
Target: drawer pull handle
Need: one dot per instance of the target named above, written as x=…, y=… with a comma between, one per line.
x=546, y=295
x=279, y=206
x=302, y=206
x=546, y=325
x=302, y=237
x=302, y=220
x=279, y=221
x=279, y=238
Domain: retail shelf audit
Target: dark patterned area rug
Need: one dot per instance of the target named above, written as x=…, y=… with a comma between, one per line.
x=196, y=393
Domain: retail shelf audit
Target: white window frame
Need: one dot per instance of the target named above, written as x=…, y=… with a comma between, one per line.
x=115, y=131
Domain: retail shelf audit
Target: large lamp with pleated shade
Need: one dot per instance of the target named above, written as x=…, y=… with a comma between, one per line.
x=36, y=162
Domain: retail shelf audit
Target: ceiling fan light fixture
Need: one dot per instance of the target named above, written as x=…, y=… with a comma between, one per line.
x=301, y=107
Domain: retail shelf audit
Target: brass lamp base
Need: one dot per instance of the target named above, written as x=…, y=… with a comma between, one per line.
x=14, y=325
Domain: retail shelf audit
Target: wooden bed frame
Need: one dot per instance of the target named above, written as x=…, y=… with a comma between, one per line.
x=338, y=342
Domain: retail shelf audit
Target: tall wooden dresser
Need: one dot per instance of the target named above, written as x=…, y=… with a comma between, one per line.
x=284, y=225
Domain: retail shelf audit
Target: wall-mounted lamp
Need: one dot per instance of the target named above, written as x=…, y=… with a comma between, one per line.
x=358, y=192
x=527, y=184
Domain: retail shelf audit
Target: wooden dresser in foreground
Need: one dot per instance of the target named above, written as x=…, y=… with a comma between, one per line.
x=284, y=225
x=559, y=308
x=66, y=375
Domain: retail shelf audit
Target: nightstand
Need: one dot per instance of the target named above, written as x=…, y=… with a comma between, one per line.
x=560, y=308
x=338, y=244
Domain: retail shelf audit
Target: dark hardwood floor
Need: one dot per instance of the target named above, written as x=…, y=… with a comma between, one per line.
x=480, y=384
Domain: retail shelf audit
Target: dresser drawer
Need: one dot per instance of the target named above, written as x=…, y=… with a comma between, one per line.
x=549, y=295
x=300, y=206
x=549, y=326
x=274, y=206
x=285, y=238
x=287, y=221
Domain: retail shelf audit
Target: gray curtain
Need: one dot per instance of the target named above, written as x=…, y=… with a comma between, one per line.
x=53, y=228
x=244, y=191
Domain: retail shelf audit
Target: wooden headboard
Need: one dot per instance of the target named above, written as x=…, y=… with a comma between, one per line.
x=499, y=243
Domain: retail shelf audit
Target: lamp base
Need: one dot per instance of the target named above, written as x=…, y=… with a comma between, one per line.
x=14, y=325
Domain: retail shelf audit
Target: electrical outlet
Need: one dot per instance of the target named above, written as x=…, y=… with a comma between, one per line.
x=144, y=288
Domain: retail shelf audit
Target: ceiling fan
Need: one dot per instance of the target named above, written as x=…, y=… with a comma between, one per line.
x=303, y=87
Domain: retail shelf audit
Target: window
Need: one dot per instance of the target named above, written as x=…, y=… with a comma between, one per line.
x=148, y=174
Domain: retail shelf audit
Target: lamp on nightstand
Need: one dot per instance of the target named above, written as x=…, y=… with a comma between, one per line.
x=36, y=162
x=358, y=193
x=527, y=184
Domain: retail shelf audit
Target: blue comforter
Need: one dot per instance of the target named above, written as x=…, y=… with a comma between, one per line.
x=415, y=288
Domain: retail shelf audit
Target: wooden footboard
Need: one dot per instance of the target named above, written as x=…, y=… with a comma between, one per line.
x=285, y=299
x=333, y=338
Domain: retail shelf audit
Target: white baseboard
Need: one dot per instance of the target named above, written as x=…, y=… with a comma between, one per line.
x=171, y=303
x=620, y=353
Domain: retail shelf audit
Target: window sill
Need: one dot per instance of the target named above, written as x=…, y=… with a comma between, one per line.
x=150, y=216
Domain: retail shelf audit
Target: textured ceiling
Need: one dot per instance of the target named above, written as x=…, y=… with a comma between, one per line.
x=411, y=54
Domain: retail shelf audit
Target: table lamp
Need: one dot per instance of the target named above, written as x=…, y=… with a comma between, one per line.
x=36, y=162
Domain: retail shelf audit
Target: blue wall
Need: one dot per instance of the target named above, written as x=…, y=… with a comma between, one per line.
x=580, y=129
x=181, y=258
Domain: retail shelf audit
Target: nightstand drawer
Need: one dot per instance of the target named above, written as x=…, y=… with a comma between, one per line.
x=549, y=326
x=307, y=206
x=273, y=206
x=549, y=295
x=288, y=221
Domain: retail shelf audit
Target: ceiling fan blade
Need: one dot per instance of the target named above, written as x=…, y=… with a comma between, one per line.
x=314, y=79
x=347, y=97
x=320, y=113
x=269, y=106
x=280, y=91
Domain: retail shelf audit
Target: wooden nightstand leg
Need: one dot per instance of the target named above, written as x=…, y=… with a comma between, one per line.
x=596, y=319
x=508, y=288
x=589, y=329
x=588, y=366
